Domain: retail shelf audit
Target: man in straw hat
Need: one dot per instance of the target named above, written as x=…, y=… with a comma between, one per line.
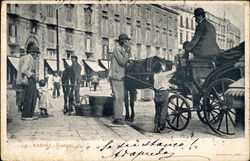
x=119, y=59
x=203, y=45
x=27, y=79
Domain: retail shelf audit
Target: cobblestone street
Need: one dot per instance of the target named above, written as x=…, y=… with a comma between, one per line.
x=64, y=127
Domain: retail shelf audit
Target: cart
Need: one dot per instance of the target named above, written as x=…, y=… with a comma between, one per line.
x=200, y=86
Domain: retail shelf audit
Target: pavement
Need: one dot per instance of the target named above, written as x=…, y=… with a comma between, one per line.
x=78, y=128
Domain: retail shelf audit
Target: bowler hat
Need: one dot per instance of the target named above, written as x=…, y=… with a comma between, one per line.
x=123, y=37
x=33, y=48
x=198, y=12
x=74, y=56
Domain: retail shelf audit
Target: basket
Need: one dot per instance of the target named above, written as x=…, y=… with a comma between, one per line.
x=84, y=109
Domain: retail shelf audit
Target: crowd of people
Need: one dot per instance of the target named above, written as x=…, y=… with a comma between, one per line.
x=202, y=45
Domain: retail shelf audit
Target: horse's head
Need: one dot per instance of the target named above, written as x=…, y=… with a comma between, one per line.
x=158, y=63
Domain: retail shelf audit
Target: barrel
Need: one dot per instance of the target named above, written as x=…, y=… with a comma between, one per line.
x=102, y=105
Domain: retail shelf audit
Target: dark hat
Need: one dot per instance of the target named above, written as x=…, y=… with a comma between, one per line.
x=198, y=12
x=33, y=48
x=74, y=56
x=42, y=83
x=123, y=37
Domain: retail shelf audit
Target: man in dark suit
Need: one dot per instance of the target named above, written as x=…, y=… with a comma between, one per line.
x=203, y=45
x=75, y=79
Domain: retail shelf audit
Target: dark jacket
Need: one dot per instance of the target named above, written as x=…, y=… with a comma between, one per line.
x=204, y=43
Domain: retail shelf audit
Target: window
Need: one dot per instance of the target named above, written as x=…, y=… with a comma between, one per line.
x=69, y=14
x=148, y=50
x=88, y=43
x=164, y=54
x=157, y=36
x=33, y=27
x=138, y=33
x=138, y=10
x=105, y=48
x=69, y=37
x=138, y=47
x=170, y=21
x=187, y=24
x=51, y=35
x=148, y=35
x=12, y=30
x=148, y=14
x=50, y=11
x=157, y=51
x=33, y=8
x=181, y=37
x=117, y=28
x=105, y=25
x=181, y=21
x=87, y=16
x=186, y=36
x=69, y=53
x=51, y=54
x=129, y=29
x=129, y=10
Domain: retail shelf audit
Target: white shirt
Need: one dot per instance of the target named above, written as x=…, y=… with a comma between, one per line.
x=56, y=79
x=161, y=79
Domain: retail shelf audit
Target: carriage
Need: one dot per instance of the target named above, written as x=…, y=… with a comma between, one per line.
x=202, y=84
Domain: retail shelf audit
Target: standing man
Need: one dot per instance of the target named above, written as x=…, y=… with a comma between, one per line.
x=75, y=70
x=119, y=59
x=26, y=77
x=203, y=45
x=56, y=90
x=95, y=81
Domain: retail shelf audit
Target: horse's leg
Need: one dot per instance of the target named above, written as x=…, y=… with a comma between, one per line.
x=126, y=104
x=132, y=104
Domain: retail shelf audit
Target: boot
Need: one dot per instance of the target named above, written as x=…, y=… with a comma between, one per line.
x=157, y=129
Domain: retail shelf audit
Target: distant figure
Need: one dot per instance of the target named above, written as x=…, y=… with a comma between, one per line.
x=203, y=45
x=56, y=90
x=95, y=80
x=49, y=83
x=44, y=102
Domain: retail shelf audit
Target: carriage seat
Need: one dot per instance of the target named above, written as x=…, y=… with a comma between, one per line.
x=201, y=68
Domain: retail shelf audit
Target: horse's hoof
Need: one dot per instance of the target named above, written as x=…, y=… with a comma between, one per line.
x=131, y=119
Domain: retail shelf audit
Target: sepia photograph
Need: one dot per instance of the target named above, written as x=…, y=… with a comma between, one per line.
x=132, y=80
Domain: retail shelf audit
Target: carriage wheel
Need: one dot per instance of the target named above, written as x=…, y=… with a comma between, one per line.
x=220, y=118
x=178, y=112
x=200, y=114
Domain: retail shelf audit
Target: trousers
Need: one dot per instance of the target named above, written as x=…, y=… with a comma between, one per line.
x=161, y=99
x=118, y=98
x=30, y=98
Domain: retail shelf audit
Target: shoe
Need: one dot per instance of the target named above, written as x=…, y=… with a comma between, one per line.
x=118, y=122
x=34, y=118
x=27, y=118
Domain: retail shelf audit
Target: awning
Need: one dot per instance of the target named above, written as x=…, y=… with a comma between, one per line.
x=52, y=64
x=104, y=64
x=94, y=66
x=14, y=61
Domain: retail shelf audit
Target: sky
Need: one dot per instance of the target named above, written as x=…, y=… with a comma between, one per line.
x=234, y=12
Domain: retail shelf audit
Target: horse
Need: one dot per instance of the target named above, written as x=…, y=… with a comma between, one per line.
x=139, y=74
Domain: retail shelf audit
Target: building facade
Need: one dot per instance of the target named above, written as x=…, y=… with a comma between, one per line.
x=88, y=31
x=227, y=34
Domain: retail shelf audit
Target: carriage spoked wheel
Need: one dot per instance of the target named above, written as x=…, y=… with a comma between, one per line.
x=178, y=112
x=200, y=113
x=219, y=117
